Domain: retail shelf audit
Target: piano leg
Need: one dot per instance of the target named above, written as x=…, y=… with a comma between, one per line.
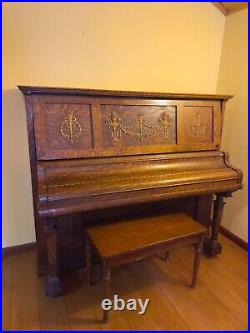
x=53, y=283
x=212, y=246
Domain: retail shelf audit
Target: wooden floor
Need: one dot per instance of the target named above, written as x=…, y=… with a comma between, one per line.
x=219, y=302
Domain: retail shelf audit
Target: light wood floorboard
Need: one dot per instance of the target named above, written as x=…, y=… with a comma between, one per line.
x=219, y=302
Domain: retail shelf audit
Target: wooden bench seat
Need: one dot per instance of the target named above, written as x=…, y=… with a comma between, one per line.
x=126, y=241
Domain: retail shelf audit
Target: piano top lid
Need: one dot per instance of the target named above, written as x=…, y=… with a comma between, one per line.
x=29, y=90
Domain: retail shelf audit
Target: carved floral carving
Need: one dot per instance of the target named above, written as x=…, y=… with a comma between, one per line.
x=140, y=129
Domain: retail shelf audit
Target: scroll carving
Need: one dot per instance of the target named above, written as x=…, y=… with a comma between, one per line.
x=140, y=130
x=70, y=128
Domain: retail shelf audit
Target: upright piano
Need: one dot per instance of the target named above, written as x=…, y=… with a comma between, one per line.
x=99, y=154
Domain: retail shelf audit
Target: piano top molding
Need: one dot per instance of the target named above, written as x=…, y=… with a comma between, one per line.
x=29, y=90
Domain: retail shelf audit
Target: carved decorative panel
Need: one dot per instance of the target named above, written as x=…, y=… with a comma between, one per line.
x=68, y=126
x=81, y=127
x=135, y=125
x=198, y=124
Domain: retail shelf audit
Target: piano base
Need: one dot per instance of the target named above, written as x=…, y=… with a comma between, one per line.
x=212, y=247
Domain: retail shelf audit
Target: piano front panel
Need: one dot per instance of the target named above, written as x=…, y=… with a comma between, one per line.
x=201, y=125
x=198, y=124
x=63, y=127
x=138, y=125
x=84, y=180
x=77, y=127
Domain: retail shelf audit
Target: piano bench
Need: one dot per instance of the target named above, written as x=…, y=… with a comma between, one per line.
x=127, y=241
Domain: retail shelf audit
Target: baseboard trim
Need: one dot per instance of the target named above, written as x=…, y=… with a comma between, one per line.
x=237, y=240
x=13, y=250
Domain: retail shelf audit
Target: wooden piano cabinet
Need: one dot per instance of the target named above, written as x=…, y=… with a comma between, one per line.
x=99, y=154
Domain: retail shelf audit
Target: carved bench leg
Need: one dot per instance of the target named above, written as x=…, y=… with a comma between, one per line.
x=197, y=256
x=107, y=286
x=53, y=283
x=211, y=245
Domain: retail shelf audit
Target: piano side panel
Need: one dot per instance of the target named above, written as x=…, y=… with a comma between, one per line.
x=138, y=125
x=200, y=125
x=40, y=240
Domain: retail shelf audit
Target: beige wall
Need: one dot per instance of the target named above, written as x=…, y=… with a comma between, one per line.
x=232, y=79
x=166, y=47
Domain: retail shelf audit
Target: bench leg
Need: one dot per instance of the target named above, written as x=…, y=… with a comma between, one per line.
x=88, y=261
x=197, y=255
x=107, y=286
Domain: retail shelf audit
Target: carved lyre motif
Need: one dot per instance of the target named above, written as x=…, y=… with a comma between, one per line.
x=70, y=127
x=140, y=130
x=198, y=125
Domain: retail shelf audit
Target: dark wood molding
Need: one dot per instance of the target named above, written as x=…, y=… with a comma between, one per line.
x=237, y=240
x=13, y=250
x=29, y=90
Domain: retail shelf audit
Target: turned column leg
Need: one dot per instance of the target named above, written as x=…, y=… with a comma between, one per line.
x=211, y=245
x=197, y=256
x=53, y=283
x=107, y=286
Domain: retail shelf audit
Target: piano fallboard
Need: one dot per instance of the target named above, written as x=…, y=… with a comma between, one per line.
x=78, y=185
